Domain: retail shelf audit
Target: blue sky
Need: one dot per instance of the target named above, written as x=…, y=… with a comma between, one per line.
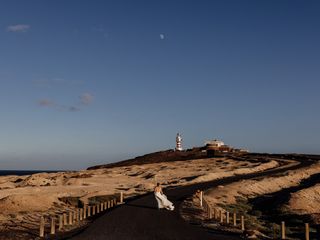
x=89, y=82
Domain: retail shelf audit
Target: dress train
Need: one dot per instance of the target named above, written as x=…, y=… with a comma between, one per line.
x=163, y=201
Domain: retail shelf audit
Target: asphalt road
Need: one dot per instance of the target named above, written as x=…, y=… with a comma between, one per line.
x=140, y=219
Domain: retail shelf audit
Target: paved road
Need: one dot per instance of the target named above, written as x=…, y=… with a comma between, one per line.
x=140, y=219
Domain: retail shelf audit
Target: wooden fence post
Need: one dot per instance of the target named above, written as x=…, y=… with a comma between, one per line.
x=81, y=214
x=283, y=230
x=98, y=208
x=234, y=219
x=84, y=211
x=60, y=222
x=53, y=225
x=221, y=216
x=70, y=218
x=115, y=202
x=93, y=210
x=201, y=198
x=65, y=221
x=227, y=217
x=307, y=231
x=41, y=233
x=101, y=207
x=242, y=223
x=121, y=197
x=215, y=215
x=210, y=213
x=89, y=211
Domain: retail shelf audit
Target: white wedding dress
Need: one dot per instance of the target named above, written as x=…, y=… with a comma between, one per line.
x=163, y=201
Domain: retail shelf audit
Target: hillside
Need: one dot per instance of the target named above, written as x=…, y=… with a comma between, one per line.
x=157, y=157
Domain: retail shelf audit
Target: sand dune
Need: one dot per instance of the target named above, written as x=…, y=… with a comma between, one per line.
x=228, y=194
x=306, y=201
x=27, y=196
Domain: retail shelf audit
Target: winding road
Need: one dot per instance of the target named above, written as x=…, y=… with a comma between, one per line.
x=140, y=219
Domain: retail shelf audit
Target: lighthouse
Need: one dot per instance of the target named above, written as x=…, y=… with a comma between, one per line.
x=179, y=142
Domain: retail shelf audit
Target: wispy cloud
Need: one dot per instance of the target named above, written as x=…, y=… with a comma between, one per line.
x=46, y=103
x=162, y=37
x=63, y=108
x=86, y=98
x=18, y=28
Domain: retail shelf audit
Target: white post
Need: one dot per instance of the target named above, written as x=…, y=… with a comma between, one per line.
x=201, y=198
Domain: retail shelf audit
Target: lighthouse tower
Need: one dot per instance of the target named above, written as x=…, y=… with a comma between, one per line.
x=179, y=142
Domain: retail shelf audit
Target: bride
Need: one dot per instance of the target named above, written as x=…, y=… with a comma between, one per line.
x=162, y=199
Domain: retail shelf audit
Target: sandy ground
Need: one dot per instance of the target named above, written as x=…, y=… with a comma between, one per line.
x=24, y=199
x=306, y=201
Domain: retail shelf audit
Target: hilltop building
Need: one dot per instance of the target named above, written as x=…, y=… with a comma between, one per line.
x=179, y=142
x=214, y=143
x=219, y=148
x=215, y=146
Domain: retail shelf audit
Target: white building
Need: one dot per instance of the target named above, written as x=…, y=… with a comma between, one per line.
x=215, y=143
x=179, y=142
